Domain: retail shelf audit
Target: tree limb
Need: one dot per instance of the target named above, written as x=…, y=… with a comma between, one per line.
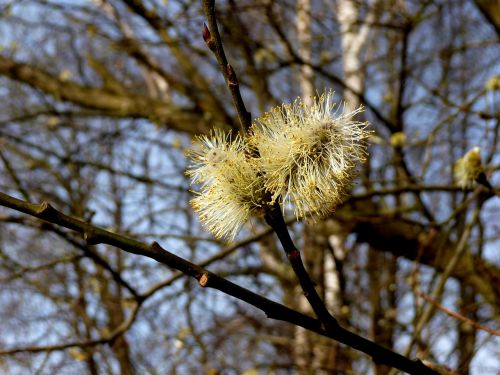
x=110, y=103
x=95, y=235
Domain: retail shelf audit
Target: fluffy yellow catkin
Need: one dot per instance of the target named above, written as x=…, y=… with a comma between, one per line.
x=305, y=156
x=231, y=189
x=468, y=168
x=308, y=154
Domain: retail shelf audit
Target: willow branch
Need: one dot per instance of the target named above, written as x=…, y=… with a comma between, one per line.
x=333, y=328
x=95, y=235
x=276, y=221
x=212, y=38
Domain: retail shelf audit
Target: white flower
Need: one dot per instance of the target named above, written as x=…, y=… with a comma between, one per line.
x=308, y=154
x=231, y=188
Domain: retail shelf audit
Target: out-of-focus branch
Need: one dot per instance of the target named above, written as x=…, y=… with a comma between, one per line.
x=243, y=40
x=318, y=68
x=106, y=339
x=401, y=189
x=202, y=90
x=87, y=251
x=110, y=103
x=414, y=241
x=13, y=176
x=26, y=270
x=458, y=316
x=491, y=11
x=70, y=159
x=427, y=313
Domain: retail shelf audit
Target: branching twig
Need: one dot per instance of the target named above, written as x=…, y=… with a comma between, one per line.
x=273, y=310
x=438, y=289
x=275, y=219
x=95, y=235
x=107, y=339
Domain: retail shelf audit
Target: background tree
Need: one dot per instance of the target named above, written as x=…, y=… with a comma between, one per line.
x=100, y=99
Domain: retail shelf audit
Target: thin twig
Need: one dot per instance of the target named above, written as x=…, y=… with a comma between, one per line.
x=378, y=353
x=458, y=316
x=107, y=339
x=438, y=289
x=276, y=221
x=212, y=38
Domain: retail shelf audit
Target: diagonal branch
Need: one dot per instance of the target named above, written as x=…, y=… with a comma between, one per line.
x=110, y=103
x=458, y=316
x=212, y=38
x=379, y=354
x=273, y=310
x=95, y=235
x=276, y=221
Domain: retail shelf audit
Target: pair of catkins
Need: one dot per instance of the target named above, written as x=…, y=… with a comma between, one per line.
x=303, y=156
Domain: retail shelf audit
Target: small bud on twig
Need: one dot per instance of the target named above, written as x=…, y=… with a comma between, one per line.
x=231, y=76
x=203, y=280
x=207, y=37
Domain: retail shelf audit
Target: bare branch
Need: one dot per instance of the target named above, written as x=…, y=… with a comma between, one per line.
x=273, y=310
x=212, y=38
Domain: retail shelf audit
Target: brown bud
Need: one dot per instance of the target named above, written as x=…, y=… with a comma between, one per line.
x=207, y=37
x=231, y=76
x=203, y=280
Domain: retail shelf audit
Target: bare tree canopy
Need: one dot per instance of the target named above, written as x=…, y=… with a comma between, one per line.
x=102, y=105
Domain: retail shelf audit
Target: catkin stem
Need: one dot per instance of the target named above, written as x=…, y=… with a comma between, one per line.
x=275, y=220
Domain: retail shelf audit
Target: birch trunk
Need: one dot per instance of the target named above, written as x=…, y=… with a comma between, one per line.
x=382, y=270
x=314, y=355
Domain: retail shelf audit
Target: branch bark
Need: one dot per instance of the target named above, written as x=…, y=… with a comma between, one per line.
x=110, y=103
x=379, y=354
x=95, y=235
x=214, y=42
